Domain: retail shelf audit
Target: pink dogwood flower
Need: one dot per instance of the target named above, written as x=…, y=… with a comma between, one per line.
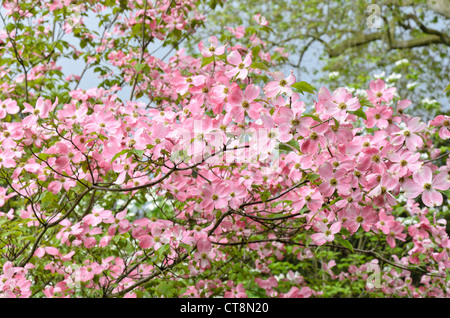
x=378, y=116
x=325, y=234
x=441, y=121
x=409, y=135
x=240, y=69
x=215, y=196
x=8, y=106
x=424, y=183
x=244, y=102
x=340, y=103
x=280, y=85
x=213, y=48
x=378, y=93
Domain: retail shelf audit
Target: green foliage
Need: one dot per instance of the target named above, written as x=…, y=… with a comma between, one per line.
x=302, y=87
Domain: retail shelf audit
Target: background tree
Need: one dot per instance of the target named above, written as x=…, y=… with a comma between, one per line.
x=332, y=42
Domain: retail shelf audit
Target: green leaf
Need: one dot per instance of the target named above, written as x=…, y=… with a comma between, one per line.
x=250, y=30
x=366, y=102
x=344, y=243
x=301, y=87
x=360, y=113
x=139, y=66
x=294, y=143
x=165, y=289
x=163, y=249
x=207, y=60
x=259, y=66
x=265, y=196
x=30, y=238
x=336, y=123
x=48, y=196
x=312, y=176
x=308, y=241
x=447, y=89
x=313, y=117
x=267, y=29
x=118, y=155
x=345, y=232
x=43, y=156
x=285, y=147
x=255, y=51
x=138, y=152
x=123, y=4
